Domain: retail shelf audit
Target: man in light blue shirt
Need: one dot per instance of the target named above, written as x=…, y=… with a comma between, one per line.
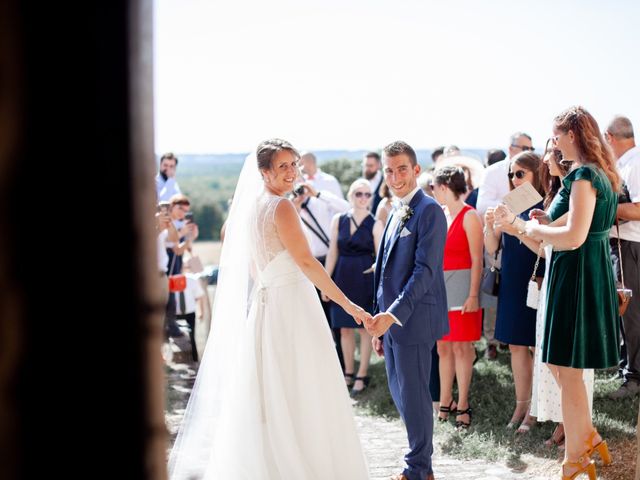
x=166, y=185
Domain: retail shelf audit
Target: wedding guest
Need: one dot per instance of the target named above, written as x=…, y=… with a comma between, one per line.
x=494, y=155
x=463, y=250
x=581, y=327
x=318, y=199
x=187, y=306
x=515, y=321
x=545, y=397
x=179, y=206
x=619, y=135
x=385, y=205
x=493, y=188
x=436, y=154
x=425, y=182
x=495, y=185
x=166, y=184
x=355, y=236
x=372, y=172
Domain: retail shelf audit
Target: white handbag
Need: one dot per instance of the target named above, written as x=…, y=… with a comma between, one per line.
x=533, y=292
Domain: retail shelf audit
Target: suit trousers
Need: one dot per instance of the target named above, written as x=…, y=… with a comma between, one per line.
x=630, y=322
x=408, y=372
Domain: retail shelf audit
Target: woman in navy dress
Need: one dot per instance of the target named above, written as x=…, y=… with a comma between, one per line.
x=515, y=321
x=355, y=236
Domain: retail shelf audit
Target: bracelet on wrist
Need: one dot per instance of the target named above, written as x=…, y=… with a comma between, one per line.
x=514, y=219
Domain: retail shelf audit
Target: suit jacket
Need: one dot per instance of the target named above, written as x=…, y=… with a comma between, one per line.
x=376, y=196
x=412, y=277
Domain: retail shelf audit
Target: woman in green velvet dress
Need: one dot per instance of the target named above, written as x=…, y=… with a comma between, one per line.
x=581, y=328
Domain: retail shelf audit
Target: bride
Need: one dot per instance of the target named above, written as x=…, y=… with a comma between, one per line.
x=269, y=401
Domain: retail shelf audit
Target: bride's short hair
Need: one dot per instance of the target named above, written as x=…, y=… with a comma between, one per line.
x=269, y=148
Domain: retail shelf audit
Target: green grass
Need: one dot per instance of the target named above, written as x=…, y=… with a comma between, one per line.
x=492, y=399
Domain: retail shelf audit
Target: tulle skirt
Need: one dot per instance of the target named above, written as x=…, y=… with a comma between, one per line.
x=285, y=412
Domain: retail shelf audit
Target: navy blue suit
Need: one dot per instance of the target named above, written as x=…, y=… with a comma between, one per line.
x=409, y=282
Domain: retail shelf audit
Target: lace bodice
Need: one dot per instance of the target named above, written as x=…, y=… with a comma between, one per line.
x=267, y=243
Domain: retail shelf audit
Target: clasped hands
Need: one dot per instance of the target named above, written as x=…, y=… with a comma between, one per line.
x=376, y=325
x=379, y=324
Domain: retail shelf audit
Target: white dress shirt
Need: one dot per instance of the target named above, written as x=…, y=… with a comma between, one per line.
x=395, y=216
x=324, y=208
x=629, y=167
x=494, y=187
x=163, y=258
x=166, y=189
x=374, y=183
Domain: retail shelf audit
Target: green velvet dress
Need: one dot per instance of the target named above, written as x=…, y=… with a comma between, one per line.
x=581, y=328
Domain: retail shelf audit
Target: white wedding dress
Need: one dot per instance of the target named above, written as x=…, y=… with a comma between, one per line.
x=273, y=404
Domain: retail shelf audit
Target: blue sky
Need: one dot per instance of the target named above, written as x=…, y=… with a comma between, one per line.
x=357, y=74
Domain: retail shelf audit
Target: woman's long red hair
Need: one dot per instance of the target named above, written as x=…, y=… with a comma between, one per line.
x=590, y=143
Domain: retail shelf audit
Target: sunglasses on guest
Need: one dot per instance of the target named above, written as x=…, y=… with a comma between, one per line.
x=362, y=194
x=524, y=148
x=520, y=174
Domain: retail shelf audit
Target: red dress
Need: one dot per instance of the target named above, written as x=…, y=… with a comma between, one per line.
x=467, y=327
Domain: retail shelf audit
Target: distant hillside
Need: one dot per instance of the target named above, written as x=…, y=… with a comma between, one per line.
x=209, y=180
x=193, y=163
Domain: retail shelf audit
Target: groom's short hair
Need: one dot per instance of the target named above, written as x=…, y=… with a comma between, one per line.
x=398, y=148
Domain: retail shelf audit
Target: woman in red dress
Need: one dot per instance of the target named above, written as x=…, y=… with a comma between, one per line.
x=463, y=251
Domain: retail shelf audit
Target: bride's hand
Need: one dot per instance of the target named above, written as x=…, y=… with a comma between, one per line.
x=359, y=314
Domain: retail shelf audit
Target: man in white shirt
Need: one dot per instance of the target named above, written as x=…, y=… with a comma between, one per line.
x=619, y=135
x=490, y=194
x=318, y=199
x=321, y=199
x=372, y=172
x=166, y=185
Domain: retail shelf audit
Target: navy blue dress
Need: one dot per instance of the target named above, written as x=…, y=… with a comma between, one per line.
x=515, y=322
x=356, y=254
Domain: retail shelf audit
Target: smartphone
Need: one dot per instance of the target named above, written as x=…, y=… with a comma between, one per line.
x=188, y=217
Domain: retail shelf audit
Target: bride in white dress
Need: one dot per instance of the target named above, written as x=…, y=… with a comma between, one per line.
x=269, y=401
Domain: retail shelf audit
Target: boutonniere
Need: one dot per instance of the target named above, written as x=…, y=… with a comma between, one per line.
x=405, y=212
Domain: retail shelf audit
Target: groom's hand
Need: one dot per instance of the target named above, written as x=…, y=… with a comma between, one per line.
x=380, y=324
x=377, y=345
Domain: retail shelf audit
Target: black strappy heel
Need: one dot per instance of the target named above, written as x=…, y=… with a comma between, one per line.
x=447, y=410
x=460, y=425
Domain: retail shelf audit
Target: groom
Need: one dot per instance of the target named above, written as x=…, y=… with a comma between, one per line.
x=411, y=301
